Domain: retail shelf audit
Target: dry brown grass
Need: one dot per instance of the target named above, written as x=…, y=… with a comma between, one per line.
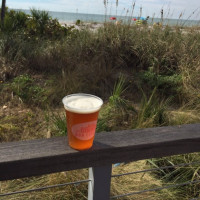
x=21, y=123
x=71, y=192
x=183, y=116
x=120, y=185
x=191, y=82
x=137, y=182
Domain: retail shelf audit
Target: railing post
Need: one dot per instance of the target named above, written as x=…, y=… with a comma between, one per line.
x=99, y=186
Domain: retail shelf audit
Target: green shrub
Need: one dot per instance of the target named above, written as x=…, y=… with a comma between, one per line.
x=14, y=21
x=118, y=112
x=24, y=87
x=57, y=123
x=78, y=22
x=116, y=99
x=41, y=24
x=152, y=111
x=38, y=24
x=166, y=84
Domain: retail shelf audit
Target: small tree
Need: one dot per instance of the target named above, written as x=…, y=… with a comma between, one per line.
x=3, y=7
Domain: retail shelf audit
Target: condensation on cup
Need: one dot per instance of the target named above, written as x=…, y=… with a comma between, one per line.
x=82, y=112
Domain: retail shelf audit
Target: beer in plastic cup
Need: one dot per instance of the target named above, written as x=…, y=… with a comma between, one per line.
x=82, y=113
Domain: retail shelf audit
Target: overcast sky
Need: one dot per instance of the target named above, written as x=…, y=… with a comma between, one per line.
x=172, y=9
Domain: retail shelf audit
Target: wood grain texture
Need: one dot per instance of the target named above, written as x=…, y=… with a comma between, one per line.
x=43, y=156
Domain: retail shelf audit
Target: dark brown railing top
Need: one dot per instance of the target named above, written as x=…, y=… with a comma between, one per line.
x=43, y=156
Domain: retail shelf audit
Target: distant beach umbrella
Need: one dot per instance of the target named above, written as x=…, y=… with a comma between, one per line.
x=134, y=19
x=112, y=18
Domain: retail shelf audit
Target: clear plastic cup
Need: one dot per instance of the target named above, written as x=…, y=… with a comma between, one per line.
x=81, y=114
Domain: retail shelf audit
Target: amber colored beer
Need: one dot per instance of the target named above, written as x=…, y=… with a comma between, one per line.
x=81, y=122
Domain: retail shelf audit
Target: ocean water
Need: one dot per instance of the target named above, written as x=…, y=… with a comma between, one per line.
x=66, y=17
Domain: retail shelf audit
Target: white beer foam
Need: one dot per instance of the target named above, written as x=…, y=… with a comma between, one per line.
x=82, y=103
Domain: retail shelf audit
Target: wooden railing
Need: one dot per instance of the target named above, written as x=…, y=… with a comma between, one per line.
x=44, y=156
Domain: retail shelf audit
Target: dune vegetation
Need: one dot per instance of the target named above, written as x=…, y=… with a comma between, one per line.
x=147, y=77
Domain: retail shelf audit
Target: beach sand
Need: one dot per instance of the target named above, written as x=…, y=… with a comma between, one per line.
x=91, y=26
